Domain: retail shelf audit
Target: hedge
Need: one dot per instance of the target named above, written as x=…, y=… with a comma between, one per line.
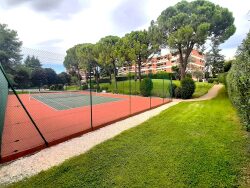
x=238, y=82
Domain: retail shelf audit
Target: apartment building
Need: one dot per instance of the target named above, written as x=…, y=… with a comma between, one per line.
x=165, y=60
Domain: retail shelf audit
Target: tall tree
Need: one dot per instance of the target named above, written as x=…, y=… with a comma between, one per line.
x=50, y=75
x=215, y=60
x=87, y=54
x=134, y=47
x=71, y=61
x=63, y=78
x=189, y=24
x=10, y=48
x=22, y=77
x=32, y=63
x=107, y=55
x=38, y=78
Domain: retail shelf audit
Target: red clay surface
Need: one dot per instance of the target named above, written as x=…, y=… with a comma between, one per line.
x=21, y=138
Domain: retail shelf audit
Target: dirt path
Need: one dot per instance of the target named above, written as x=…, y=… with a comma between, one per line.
x=30, y=165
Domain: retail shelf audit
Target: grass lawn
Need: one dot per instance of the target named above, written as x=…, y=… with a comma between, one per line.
x=158, y=89
x=193, y=144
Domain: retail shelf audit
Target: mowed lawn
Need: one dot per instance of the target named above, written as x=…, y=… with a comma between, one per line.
x=192, y=144
x=160, y=87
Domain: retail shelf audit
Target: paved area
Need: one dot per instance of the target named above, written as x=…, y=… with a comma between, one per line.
x=49, y=157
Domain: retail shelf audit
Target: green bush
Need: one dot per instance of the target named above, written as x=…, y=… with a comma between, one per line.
x=177, y=92
x=172, y=90
x=238, y=82
x=187, y=88
x=222, y=78
x=146, y=87
x=84, y=86
x=60, y=87
x=104, y=80
x=52, y=87
x=122, y=78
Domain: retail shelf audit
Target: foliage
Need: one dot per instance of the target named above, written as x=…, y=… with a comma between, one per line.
x=21, y=77
x=107, y=54
x=10, y=49
x=176, y=72
x=38, y=77
x=238, y=81
x=189, y=24
x=192, y=144
x=214, y=60
x=187, y=88
x=63, y=78
x=177, y=92
x=222, y=78
x=198, y=74
x=172, y=90
x=146, y=87
x=133, y=47
x=51, y=76
x=32, y=63
x=228, y=65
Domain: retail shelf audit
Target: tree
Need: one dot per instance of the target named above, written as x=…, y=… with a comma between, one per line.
x=214, y=59
x=21, y=77
x=71, y=61
x=32, y=63
x=51, y=76
x=38, y=77
x=87, y=54
x=189, y=24
x=10, y=48
x=198, y=74
x=134, y=46
x=63, y=78
x=107, y=55
x=176, y=71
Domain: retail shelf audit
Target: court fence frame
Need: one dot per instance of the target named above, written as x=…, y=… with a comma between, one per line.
x=41, y=134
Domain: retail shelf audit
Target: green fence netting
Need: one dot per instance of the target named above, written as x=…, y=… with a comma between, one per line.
x=3, y=101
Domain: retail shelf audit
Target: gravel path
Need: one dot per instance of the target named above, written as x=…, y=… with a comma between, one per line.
x=30, y=165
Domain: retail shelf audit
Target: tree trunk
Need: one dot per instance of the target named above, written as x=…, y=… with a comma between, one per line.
x=184, y=60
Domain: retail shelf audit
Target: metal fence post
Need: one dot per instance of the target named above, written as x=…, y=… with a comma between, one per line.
x=90, y=95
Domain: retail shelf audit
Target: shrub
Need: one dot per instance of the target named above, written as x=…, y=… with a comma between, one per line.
x=187, y=88
x=188, y=75
x=45, y=87
x=84, y=86
x=60, y=87
x=122, y=78
x=238, y=82
x=210, y=80
x=146, y=87
x=172, y=90
x=104, y=80
x=222, y=78
x=52, y=87
x=177, y=92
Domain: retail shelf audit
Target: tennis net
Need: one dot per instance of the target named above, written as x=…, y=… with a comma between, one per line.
x=47, y=94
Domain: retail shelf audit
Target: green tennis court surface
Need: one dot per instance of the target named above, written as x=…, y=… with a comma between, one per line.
x=67, y=101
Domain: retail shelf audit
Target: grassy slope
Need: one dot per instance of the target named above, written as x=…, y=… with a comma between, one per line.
x=195, y=144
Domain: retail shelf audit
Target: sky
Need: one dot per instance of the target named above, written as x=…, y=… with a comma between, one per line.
x=50, y=27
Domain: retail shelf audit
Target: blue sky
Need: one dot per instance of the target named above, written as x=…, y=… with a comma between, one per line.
x=53, y=26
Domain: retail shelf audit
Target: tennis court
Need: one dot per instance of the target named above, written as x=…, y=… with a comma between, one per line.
x=69, y=100
x=60, y=116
